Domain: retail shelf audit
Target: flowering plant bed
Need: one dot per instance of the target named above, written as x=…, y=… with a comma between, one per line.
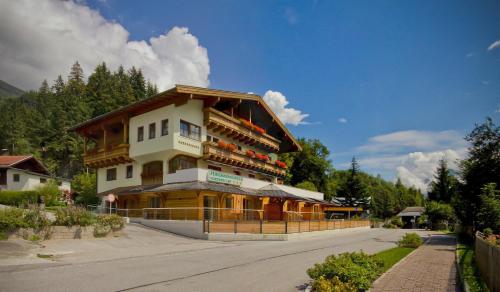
x=262, y=157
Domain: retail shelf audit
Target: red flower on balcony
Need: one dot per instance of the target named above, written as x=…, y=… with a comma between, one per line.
x=262, y=157
x=222, y=144
x=252, y=127
x=250, y=153
x=231, y=147
x=280, y=164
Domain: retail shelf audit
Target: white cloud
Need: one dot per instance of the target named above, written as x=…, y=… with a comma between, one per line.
x=413, y=140
x=412, y=155
x=470, y=55
x=418, y=168
x=42, y=39
x=278, y=102
x=342, y=120
x=494, y=45
x=485, y=82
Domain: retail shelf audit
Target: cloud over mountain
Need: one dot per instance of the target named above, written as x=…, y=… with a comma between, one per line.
x=42, y=39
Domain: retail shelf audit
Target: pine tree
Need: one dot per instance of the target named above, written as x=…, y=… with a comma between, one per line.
x=355, y=190
x=443, y=185
x=100, y=91
x=138, y=83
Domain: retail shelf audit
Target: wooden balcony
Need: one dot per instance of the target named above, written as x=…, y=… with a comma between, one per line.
x=237, y=158
x=114, y=155
x=219, y=122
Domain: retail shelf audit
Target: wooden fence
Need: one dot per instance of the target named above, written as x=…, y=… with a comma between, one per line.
x=488, y=262
x=280, y=227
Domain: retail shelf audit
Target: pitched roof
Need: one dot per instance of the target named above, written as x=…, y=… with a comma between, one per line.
x=172, y=95
x=24, y=162
x=7, y=161
x=412, y=211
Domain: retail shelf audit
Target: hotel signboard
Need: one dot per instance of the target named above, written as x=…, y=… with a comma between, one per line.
x=224, y=178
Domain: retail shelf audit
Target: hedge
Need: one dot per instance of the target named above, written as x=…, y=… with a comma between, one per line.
x=18, y=198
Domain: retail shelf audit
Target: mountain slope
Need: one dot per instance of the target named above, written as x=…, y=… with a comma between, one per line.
x=7, y=90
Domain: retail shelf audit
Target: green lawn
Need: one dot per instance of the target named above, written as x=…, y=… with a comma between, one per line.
x=469, y=268
x=391, y=256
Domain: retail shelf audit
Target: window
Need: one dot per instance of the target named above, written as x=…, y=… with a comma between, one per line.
x=181, y=162
x=43, y=180
x=190, y=131
x=111, y=174
x=152, y=130
x=237, y=172
x=229, y=202
x=239, y=148
x=164, y=127
x=209, y=138
x=154, y=202
x=130, y=171
x=251, y=175
x=140, y=134
x=16, y=177
x=215, y=139
x=213, y=167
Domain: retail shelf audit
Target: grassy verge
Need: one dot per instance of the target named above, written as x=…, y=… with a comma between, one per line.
x=391, y=256
x=467, y=265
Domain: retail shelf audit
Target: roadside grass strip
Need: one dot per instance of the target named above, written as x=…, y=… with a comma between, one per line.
x=391, y=256
x=469, y=272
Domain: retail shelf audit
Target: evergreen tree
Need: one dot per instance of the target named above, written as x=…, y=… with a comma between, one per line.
x=443, y=185
x=354, y=189
x=138, y=83
x=100, y=91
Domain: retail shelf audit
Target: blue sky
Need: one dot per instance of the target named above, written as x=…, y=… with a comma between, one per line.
x=396, y=83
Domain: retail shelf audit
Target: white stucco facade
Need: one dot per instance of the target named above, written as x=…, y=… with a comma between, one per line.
x=29, y=181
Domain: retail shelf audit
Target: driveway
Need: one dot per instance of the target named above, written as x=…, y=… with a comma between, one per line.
x=150, y=260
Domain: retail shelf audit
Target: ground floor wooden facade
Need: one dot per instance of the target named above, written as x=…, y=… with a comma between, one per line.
x=199, y=205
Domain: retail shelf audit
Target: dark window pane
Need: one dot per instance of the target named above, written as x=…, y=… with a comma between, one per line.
x=164, y=127
x=130, y=171
x=152, y=131
x=140, y=134
x=111, y=174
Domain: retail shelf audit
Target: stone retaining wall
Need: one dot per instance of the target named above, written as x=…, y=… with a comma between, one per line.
x=64, y=232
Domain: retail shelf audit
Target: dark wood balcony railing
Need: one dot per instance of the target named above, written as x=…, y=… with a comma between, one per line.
x=115, y=154
x=219, y=122
x=237, y=158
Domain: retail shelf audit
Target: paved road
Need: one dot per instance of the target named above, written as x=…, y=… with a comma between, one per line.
x=192, y=265
x=429, y=268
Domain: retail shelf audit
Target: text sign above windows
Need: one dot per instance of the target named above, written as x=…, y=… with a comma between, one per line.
x=224, y=178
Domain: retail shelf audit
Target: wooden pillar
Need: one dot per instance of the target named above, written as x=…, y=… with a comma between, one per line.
x=125, y=131
x=105, y=144
x=85, y=145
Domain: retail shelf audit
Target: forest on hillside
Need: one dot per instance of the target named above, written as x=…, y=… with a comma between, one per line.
x=39, y=122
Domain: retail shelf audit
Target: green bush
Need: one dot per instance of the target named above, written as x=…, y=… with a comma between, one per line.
x=357, y=269
x=112, y=220
x=439, y=214
x=50, y=193
x=397, y=221
x=36, y=219
x=487, y=232
x=71, y=216
x=18, y=198
x=332, y=285
x=410, y=240
x=12, y=219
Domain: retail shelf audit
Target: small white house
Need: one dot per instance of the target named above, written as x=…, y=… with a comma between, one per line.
x=24, y=173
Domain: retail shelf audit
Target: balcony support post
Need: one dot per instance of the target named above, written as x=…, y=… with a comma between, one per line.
x=105, y=145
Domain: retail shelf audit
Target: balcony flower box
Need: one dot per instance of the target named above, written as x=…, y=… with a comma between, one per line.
x=222, y=144
x=250, y=153
x=227, y=146
x=262, y=157
x=252, y=126
x=280, y=164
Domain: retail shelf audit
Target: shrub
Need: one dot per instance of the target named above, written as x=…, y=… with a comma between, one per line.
x=36, y=219
x=397, y=221
x=85, y=186
x=332, y=285
x=410, y=240
x=18, y=198
x=12, y=219
x=487, y=232
x=71, y=216
x=50, y=192
x=439, y=214
x=357, y=269
x=112, y=220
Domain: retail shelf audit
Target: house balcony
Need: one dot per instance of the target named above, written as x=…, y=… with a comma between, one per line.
x=113, y=155
x=219, y=122
x=237, y=158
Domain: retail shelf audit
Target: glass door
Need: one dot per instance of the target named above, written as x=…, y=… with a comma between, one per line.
x=209, y=204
